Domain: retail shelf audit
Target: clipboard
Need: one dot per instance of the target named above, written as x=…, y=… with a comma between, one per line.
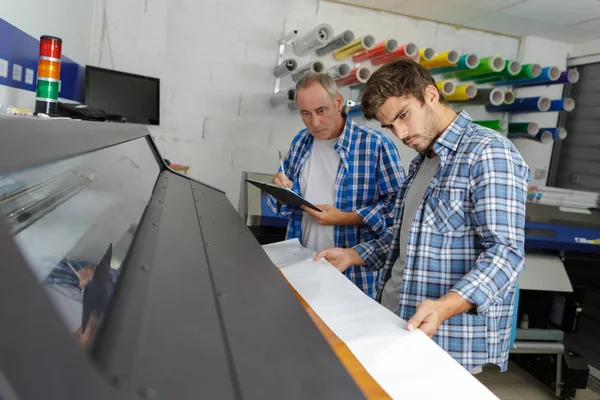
x=285, y=195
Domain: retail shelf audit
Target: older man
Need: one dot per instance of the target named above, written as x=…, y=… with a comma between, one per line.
x=352, y=173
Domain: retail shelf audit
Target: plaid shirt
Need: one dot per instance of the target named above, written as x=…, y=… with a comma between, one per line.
x=467, y=237
x=367, y=181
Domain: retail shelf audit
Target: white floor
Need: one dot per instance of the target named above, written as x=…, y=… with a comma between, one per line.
x=516, y=384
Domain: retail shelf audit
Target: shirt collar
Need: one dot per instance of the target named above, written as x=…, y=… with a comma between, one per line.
x=450, y=138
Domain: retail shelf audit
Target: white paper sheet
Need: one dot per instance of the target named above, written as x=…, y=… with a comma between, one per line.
x=407, y=365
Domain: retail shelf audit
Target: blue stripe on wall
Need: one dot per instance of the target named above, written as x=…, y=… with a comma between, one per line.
x=21, y=49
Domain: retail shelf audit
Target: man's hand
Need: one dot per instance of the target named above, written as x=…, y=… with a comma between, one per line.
x=332, y=216
x=85, y=338
x=431, y=313
x=340, y=258
x=85, y=274
x=280, y=179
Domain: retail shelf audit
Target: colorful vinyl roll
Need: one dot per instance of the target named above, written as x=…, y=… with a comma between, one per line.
x=527, y=71
x=548, y=74
x=542, y=136
x=317, y=37
x=557, y=133
x=463, y=92
x=381, y=48
x=340, y=40
x=566, y=77
x=566, y=104
x=488, y=96
x=356, y=76
x=499, y=125
x=426, y=54
x=530, y=128
x=465, y=62
x=509, y=97
x=361, y=44
x=510, y=70
x=447, y=88
x=409, y=50
x=525, y=104
x=353, y=109
x=486, y=65
x=48, y=79
x=445, y=59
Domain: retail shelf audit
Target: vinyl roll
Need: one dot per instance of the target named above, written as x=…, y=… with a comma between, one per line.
x=509, y=97
x=526, y=104
x=548, y=74
x=566, y=77
x=315, y=66
x=338, y=71
x=511, y=69
x=486, y=65
x=317, y=37
x=530, y=128
x=357, y=75
x=566, y=104
x=465, y=62
x=282, y=97
x=445, y=59
x=487, y=96
x=409, y=50
x=361, y=44
x=557, y=133
x=426, y=54
x=447, y=88
x=340, y=40
x=463, y=92
x=499, y=125
x=381, y=48
x=542, y=136
x=286, y=67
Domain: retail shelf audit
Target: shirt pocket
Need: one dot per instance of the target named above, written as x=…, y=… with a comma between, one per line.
x=445, y=211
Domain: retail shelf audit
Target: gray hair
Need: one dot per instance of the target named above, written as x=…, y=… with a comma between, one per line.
x=322, y=79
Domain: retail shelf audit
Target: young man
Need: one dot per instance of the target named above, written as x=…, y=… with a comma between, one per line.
x=350, y=172
x=458, y=224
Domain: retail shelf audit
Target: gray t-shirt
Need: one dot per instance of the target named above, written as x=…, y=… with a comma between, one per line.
x=391, y=292
x=317, y=183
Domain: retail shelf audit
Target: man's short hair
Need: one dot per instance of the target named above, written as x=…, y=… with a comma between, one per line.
x=403, y=77
x=322, y=79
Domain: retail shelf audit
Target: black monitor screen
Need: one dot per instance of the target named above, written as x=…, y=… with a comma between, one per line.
x=133, y=97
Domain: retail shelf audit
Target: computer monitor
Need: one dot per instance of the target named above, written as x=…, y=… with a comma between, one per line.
x=134, y=97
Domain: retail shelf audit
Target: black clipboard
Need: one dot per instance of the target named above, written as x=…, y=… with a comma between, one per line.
x=284, y=195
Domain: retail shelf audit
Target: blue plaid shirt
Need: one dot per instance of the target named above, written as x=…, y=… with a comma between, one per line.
x=467, y=237
x=367, y=181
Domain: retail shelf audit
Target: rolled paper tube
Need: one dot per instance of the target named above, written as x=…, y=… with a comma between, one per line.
x=338, y=71
x=426, y=54
x=385, y=47
x=526, y=104
x=340, y=40
x=463, y=92
x=465, y=62
x=557, y=133
x=548, y=74
x=510, y=70
x=488, y=96
x=566, y=104
x=499, y=125
x=486, y=65
x=409, y=50
x=527, y=71
x=361, y=44
x=315, y=66
x=317, y=37
x=357, y=75
x=286, y=67
x=445, y=59
x=447, y=88
x=531, y=128
x=282, y=97
x=509, y=97
x=566, y=77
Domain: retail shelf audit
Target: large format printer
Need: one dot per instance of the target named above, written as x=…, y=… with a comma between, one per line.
x=181, y=302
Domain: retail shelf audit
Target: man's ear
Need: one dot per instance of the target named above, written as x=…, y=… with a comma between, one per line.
x=339, y=102
x=431, y=95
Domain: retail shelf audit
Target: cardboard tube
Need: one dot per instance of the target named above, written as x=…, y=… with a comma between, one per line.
x=361, y=44
x=445, y=59
x=286, y=67
x=315, y=66
x=463, y=92
x=446, y=88
x=338, y=71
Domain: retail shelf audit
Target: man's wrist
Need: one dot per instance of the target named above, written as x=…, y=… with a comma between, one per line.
x=452, y=304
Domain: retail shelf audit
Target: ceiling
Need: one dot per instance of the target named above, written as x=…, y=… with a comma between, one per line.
x=566, y=20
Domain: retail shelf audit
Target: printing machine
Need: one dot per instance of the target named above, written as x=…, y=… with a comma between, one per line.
x=183, y=302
